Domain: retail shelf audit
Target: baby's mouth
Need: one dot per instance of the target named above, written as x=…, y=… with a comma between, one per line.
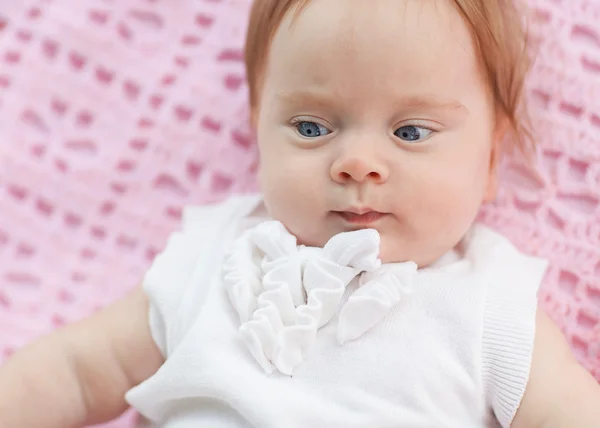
x=360, y=218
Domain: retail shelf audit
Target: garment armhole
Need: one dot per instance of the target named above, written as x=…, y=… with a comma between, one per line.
x=177, y=268
x=509, y=332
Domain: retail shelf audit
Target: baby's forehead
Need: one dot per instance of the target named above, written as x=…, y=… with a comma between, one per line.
x=385, y=41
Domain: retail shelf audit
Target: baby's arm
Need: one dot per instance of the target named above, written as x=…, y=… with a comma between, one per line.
x=560, y=393
x=79, y=374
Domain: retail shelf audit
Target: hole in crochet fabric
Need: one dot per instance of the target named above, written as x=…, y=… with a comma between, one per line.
x=18, y=193
x=169, y=184
x=44, y=207
x=567, y=281
x=584, y=204
x=235, y=55
x=124, y=31
x=34, y=120
x=50, y=48
x=38, y=151
x=182, y=61
x=8, y=352
x=73, y=220
x=84, y=119
x=126, y=243
x=4, y=300
x=253, y=168
x=590, y=64
x=550, y=159
x=233, y=82
x=12, y=57
x=530, y=207
x=22, y=279
x=174, y=213
x=77, y=61
x=34, y=13
x=150, y=19
x=126, y=165
x=580, y=345
x=131, y=90
x=3, y=238
x=78, y=277
x=98, y=16
x=190, y=40
x=194, y=170
x=555, y=221
x=107, y=208
x=25, y=251
x=59, y=106
x=118, y=188
x=578, y=169
x=104, y=76
x=541, y=16
x=61, y=165
x=571, y=110
x=98, y=232
x=138, y=145
x=64, y=296
x=242, y=139
x=221, y=183
x=183, y=113
x=145, y=123
x=151, y=254
x=210, y=124
x=87, y=254
x=585, y=35
x=4, y=81
x=168, y=80
x=593, y=295
x=156, y=101
x=204, y=21
x=57, y=321
x=586, y=321
x=82, y=147
x=24, y=35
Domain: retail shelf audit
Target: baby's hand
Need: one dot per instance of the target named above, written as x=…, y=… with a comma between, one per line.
x=79, y=375
x=560, y=393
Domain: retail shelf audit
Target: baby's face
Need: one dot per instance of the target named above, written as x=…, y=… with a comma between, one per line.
x=377, y=108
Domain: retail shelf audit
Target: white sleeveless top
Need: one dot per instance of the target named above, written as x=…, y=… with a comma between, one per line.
x=260, y=332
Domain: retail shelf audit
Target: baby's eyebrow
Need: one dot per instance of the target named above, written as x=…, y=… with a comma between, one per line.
x=432, y=102
x=405, y=102
x=306, y=97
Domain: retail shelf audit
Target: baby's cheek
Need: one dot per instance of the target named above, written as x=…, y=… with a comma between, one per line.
x=452, y=205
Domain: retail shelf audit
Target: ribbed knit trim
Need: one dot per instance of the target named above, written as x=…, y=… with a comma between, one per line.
x=508, y=336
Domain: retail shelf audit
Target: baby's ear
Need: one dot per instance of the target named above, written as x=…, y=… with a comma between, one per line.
x=501, y=129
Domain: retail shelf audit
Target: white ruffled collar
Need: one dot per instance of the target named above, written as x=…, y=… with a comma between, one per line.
x=284, y=293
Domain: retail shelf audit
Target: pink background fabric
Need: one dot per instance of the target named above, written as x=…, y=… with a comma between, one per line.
x=114, y=114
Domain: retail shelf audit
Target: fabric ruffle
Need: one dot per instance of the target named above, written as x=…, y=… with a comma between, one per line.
x=284, y=293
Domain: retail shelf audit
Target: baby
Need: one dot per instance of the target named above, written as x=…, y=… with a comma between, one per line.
x=357, y=290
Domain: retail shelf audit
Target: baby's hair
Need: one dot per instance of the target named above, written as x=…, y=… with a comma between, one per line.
x=500, y=36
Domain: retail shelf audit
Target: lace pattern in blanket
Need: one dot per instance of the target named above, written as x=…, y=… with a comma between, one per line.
x=115, y=114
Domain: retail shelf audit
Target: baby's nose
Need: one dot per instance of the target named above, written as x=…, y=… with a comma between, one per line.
x=359, y=169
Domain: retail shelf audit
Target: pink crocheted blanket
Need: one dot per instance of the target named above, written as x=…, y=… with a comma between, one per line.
x=114, y=114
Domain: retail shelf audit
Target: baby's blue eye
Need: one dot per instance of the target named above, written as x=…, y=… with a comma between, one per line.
x=413, y=133
x=311, y=129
